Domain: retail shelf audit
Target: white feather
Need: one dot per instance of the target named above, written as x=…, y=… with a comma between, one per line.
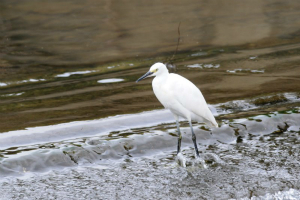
x=180, y=95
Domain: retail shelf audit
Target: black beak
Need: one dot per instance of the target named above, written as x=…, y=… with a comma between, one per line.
x=144, y=76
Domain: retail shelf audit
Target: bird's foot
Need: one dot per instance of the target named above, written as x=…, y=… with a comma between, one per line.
x=181, y=160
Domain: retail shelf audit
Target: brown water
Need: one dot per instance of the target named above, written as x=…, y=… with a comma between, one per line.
x=74, y=61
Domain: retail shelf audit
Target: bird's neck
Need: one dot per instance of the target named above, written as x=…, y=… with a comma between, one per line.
x=162, y=77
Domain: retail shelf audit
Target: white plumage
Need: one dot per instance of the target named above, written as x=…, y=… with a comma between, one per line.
x=181, y=97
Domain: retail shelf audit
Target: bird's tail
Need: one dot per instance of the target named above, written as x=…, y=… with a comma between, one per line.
x=214, y=124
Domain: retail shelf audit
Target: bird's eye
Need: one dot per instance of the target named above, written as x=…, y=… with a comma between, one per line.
x=156, y=70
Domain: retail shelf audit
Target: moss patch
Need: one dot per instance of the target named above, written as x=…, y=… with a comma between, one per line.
x=270, y=100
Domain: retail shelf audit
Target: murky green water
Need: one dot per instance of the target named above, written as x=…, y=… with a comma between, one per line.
x=75, y=125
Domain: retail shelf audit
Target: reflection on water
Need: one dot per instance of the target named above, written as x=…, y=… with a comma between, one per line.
x=65, y=66
x=44, y=34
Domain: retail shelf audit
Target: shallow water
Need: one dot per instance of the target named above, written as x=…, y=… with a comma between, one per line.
x=134, y=156
x=75, y=125
x=260, y=155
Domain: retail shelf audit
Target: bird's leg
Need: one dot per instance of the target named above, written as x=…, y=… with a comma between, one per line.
x=179, y=137
x=194, y=139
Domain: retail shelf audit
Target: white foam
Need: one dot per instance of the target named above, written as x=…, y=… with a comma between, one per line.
x=13, y=94
x=211, y=66
x=67, y=74
x=195, y=66
x=199, y=54
x=3, y=84
x=257, y=71
x=30, y=80
x=23, y=81
x=246, y=70
x=111, y=80
x=201, y=66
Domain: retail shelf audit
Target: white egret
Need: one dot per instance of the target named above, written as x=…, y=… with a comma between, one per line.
x=181, y=97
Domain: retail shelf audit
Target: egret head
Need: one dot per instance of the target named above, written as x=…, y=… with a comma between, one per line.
x=155, y=70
